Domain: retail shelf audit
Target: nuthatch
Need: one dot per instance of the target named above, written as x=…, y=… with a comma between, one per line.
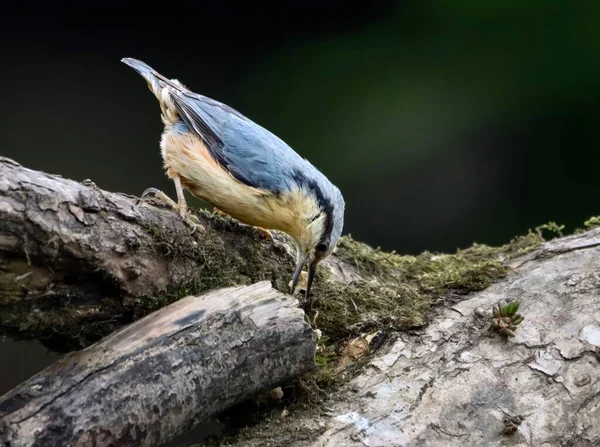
x=245, y=171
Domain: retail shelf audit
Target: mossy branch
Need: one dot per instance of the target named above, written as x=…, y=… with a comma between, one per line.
x=78, y=262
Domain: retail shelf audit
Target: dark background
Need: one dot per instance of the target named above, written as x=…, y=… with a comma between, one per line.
x=443, y=123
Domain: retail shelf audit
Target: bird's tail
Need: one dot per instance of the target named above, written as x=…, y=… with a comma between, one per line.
x=162, y=87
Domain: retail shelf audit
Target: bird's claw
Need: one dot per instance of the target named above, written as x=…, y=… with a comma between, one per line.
x=191, y=221
x=217, y=211
x=150, y=192
x=193, y=227
x=263, y=232
x=159, y=195
x=187, y=216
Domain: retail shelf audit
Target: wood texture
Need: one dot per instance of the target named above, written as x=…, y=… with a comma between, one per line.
x=156, y=378
x=77, y=262
x=455, y=384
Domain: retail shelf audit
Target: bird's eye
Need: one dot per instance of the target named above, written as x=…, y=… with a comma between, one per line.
x=322, y=247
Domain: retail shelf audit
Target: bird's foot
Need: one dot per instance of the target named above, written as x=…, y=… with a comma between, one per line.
x=189, y=218
x=155, y=193
x=263, y=232
x=219, y=212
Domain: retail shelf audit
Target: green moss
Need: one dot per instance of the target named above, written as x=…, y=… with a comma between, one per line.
x=325, y=372
x=400, y=290
x=225, y=257
x=524, y=244
x=397, y=293
x=592, y=222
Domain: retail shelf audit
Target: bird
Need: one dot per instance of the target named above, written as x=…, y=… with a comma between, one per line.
x=245, y=171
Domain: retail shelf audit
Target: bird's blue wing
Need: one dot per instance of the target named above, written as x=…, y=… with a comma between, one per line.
x=258, y=158
x=252, y=154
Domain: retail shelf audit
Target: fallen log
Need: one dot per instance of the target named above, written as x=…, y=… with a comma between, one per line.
x=158, y=377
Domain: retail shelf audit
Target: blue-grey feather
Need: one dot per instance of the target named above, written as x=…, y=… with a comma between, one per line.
x=257, y=157
x=248, y=151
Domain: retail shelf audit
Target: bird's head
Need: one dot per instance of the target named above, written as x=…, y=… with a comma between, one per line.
x=320, y=233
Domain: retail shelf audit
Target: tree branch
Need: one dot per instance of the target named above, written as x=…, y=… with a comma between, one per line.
x=156, y=378
x=77, y=262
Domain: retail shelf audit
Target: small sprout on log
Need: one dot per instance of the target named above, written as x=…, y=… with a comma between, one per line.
x=505, y=317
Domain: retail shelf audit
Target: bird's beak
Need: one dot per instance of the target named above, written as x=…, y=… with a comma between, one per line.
x=299, y=264
x=312, y=268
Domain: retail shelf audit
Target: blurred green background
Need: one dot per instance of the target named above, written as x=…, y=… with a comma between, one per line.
x=443, y=123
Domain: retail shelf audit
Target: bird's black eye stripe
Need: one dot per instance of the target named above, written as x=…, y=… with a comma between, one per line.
x=323, y=202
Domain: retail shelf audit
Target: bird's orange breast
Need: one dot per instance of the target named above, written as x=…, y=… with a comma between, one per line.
x=187, y=157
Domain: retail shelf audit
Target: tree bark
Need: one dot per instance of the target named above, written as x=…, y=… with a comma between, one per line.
x=455, y=383
x=77, y=262
x=156, y=378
